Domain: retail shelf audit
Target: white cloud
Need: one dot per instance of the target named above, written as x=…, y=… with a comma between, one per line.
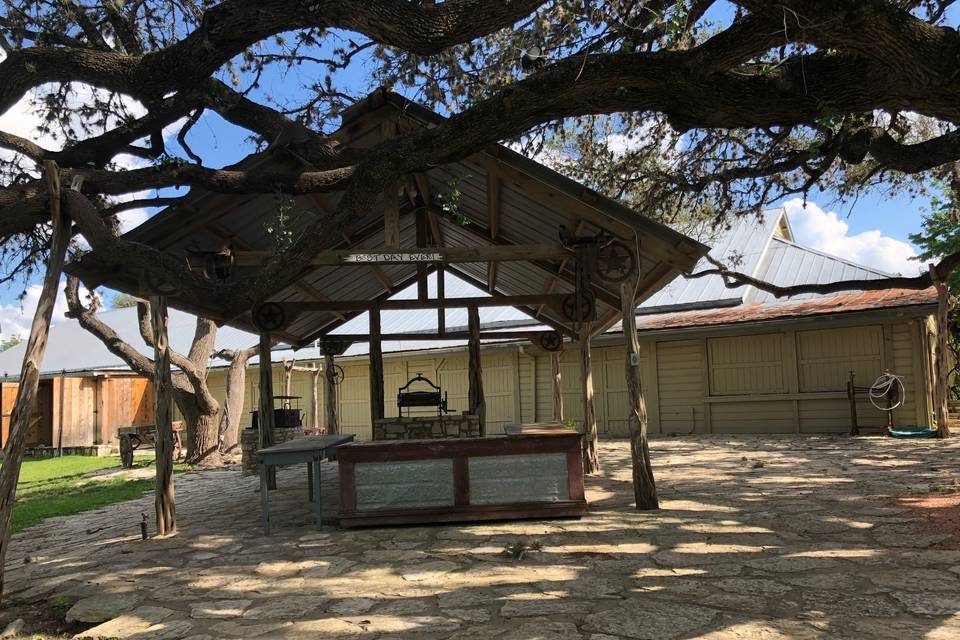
x=825, y=231
x=16, y=318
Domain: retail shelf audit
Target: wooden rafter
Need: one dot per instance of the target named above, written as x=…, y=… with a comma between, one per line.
x=527, y=309
x=367, y=257
x=553, y=300
x=493, y=198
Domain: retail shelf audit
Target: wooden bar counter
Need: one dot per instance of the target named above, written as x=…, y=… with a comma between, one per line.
x=495, y=478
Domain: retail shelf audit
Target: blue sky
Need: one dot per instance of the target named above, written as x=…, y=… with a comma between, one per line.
x=873, y=230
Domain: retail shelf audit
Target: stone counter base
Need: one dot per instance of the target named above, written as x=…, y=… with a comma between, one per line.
x=427, y=427
x=250, y=442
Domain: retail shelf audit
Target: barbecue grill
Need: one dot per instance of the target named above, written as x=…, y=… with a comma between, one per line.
x=434, y=398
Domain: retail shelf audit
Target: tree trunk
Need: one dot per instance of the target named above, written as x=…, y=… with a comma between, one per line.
x=556, y=382
x=30, y=371
x=941, y=357
x=202, y=432
x=163, y=392
x=644, y=487
x=288, y=369
x=591, y=462
x=233, y=402
x=330, y=394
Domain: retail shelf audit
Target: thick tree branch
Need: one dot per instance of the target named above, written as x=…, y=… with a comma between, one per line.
x=733, y=279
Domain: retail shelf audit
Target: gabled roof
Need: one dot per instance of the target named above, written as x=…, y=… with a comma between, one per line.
x=72, y=349
x=785, y=264
x=766, y=245
x=500, y=198
x=741, y=246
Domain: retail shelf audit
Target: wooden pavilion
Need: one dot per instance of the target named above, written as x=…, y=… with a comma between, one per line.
x=569, y=257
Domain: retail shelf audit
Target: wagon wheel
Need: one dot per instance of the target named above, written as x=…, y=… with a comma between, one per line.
x=338, y=374
x=586, y=308
x=269, y=316
x=552, y=341
x=616, y=261
x=126, y=451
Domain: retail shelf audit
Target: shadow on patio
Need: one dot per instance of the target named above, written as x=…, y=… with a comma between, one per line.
x=765, y=538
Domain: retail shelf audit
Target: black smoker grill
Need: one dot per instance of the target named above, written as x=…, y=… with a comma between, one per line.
x=408, y=399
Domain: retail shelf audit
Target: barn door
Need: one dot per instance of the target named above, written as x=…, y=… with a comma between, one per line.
x=8, y=395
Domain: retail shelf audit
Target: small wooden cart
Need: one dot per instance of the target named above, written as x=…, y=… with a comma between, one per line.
x=131, y=438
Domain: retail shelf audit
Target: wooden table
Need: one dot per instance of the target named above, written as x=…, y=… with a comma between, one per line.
x=530, y=475
x=312, y=450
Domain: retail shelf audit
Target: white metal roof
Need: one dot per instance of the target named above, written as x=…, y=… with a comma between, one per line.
x=763, y=248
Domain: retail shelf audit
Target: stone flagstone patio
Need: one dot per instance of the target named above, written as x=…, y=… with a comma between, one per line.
x=758, y=538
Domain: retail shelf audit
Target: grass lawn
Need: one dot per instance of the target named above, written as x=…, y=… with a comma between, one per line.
x=63, y=486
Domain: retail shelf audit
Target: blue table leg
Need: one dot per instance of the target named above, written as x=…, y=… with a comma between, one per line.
x=310, y=482
x=317, y=494
x=264, y=499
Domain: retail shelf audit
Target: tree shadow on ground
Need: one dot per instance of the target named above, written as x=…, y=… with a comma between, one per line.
x=771, y=537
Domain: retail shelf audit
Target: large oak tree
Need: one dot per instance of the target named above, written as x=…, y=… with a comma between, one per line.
x=689, y=107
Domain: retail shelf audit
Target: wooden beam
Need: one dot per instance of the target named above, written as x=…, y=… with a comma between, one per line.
x=421, y=240
x=491, y=277
x=591, y=463
x=314, y=293
x=366, y=257
x=493, y=198
x=644, y=487
x=441, y=285
x=376, y=369
x=518, y=334
x=477, y=403
x=683, y=257
x=545, y=264
x=525, y=308
x=436, y=230
x=391, y=217
x=223, y=233
x=553, y=300
x=382, y=278
x=327, y=328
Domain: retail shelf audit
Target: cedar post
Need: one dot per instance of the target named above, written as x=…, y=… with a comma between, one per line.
x=941, y=365
x=163, y=394
x=478, y=405
x=644, y=487
x=591, y=463
x=556, y=380
x=441, y=312
x=330, y=394
x=30, y=370
x=421, y=239
x=265, y=418
x=376, y=369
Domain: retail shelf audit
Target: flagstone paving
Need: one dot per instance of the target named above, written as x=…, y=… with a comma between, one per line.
x=761, y=538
